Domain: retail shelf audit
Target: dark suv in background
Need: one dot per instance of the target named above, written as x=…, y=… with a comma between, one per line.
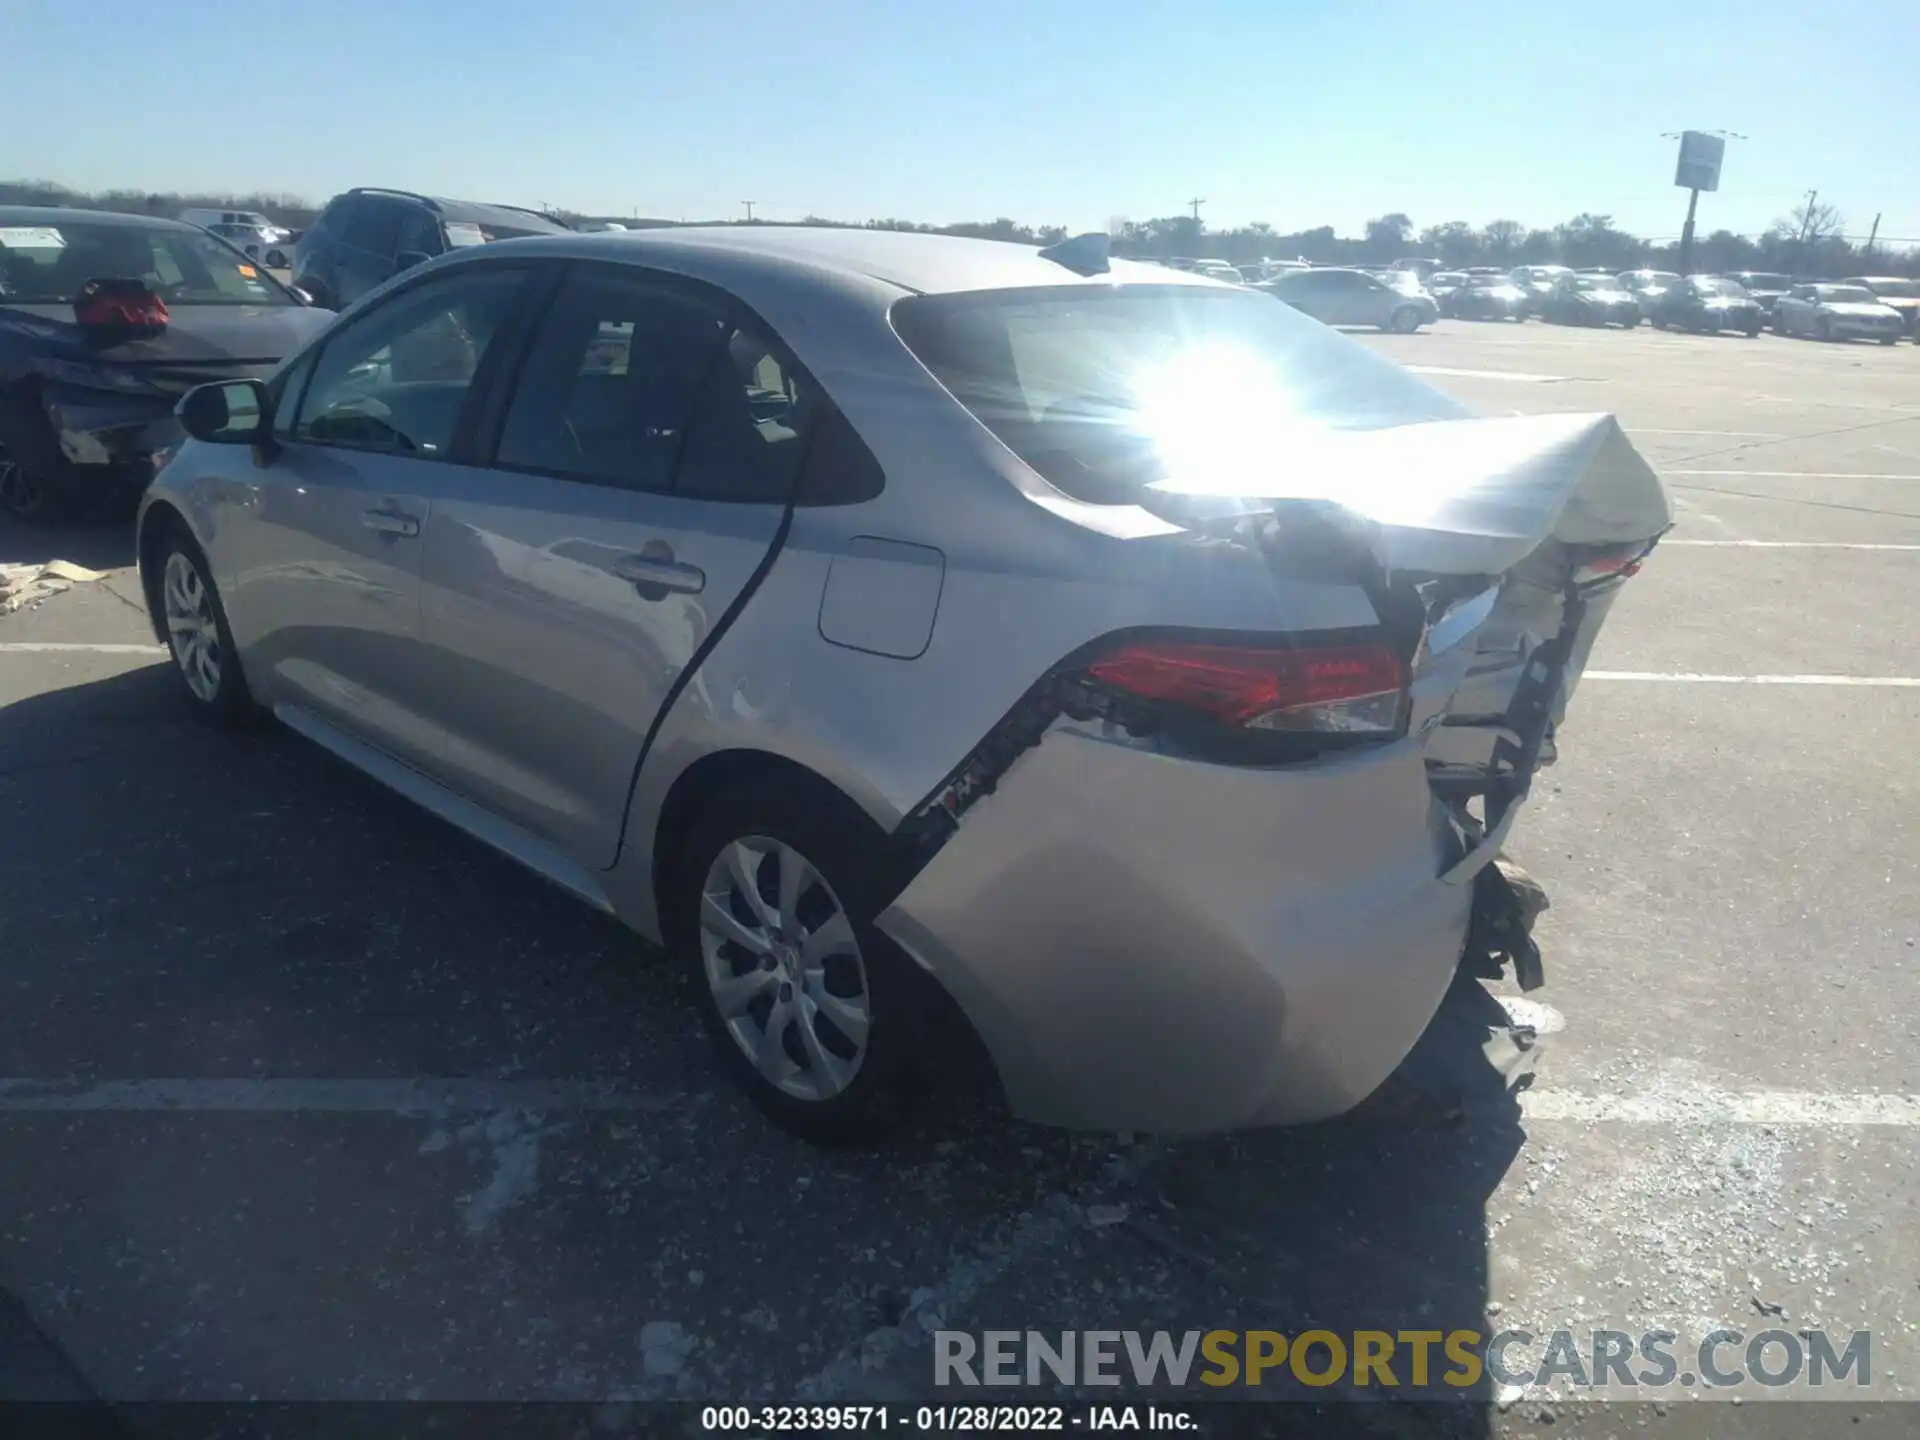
x=368, y=235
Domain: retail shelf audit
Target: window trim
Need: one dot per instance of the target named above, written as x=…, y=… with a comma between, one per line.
x=459, y=449
x=491, y=421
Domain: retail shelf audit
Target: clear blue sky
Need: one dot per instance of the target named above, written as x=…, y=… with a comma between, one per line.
x=1297, y=114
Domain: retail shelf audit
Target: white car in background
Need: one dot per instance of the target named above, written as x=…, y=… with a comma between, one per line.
x=1837, y=312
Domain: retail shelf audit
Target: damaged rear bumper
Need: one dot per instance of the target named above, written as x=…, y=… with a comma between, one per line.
x=113, y=434
x=1148, y=942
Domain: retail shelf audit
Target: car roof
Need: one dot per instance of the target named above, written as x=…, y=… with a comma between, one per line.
x=904, y=261
x=26, y=215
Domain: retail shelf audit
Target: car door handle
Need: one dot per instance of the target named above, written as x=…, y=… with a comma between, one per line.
x=657, y=575
x=389, y=523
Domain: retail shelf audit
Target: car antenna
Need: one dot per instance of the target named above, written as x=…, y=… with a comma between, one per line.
x=1083, y=254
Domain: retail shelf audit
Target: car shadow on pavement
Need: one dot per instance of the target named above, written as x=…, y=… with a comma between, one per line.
x=190, y=904
x=106, y=544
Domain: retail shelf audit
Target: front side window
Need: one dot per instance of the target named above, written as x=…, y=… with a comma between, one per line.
x=397, y=378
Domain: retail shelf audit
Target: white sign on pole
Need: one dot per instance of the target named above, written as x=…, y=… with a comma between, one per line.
x=1700, y=155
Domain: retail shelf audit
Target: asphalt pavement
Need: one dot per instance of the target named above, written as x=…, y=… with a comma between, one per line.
x=308, y=1096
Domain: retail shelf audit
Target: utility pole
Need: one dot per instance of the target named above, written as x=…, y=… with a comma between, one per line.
x=1872, y=235
x=749, y=205
x=1196, y=203
x=1806, y=220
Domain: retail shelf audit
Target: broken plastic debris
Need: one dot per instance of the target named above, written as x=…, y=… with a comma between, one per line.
x=34, y=581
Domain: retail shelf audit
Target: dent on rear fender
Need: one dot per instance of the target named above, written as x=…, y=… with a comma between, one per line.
x=1118, y=923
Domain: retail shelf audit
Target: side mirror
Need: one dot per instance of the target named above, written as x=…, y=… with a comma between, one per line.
x=407, y=259
x=301, y=295
x=227, y=412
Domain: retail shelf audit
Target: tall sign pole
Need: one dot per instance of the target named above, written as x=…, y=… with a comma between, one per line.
x=1698, y=169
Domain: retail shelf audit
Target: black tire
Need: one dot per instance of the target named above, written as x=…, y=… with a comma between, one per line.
x=228, y=704
x=30, y=493
x=848, y=853
x=1889, y=339
x=1753, y=331
x=1658, y=322
x=1404, y=320
x=1823, y=327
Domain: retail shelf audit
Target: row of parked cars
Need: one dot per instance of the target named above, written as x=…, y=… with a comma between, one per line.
x=1414, y=293
x=1882, y=308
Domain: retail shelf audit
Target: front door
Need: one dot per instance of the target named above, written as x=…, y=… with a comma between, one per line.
x=325, y=539
x=643, y=466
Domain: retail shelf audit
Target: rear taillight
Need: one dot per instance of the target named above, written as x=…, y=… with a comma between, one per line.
x=1343, y=690
x=1620, y=564
x=119, y=304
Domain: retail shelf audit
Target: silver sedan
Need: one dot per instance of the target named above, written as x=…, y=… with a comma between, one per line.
x=1837, y=312
x=919, y=636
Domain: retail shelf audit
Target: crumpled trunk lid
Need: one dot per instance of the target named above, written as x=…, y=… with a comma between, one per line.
x=1494, y=546
x=1464, y=497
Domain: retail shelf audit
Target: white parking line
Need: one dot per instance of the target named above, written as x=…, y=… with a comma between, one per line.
x=324, y=1096
x=40, y=647
x=1759, y=1107
x=401, y=1097
x=1483, y=374
x=1732, y=434
x=1792, y=474
x=1691, y=678
x=1789, y=544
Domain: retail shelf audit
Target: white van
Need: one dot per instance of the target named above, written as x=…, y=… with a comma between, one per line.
x=250, y=219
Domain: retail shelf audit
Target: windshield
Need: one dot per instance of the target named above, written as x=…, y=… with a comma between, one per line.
x=1405, y=281
x=1105, y=391
x=1899, y=289
x=1650, y=279
x=1595, y=282
x=47, y=264
x=1493, y=282
x=1757, y=281
x=1846, y=295
x=1714, y=285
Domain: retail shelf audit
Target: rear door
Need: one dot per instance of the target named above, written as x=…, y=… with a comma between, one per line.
x=323, y=541
x=645, y=458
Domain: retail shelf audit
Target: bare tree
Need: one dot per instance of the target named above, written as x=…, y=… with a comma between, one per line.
x=1812, y=220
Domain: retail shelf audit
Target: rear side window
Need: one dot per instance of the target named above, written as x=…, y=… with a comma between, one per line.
x=652, y=387
x=610, y=387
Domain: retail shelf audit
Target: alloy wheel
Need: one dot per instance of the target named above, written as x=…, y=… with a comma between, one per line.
x=784, y=968
x=192, y=631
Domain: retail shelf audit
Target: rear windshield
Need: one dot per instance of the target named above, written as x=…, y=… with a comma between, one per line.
x=1899, y=289
x=47, y=264
x=1757, y=281
x=1845, y=294
x=1713, y=285
x=1106, y=390
x=1595, y=282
